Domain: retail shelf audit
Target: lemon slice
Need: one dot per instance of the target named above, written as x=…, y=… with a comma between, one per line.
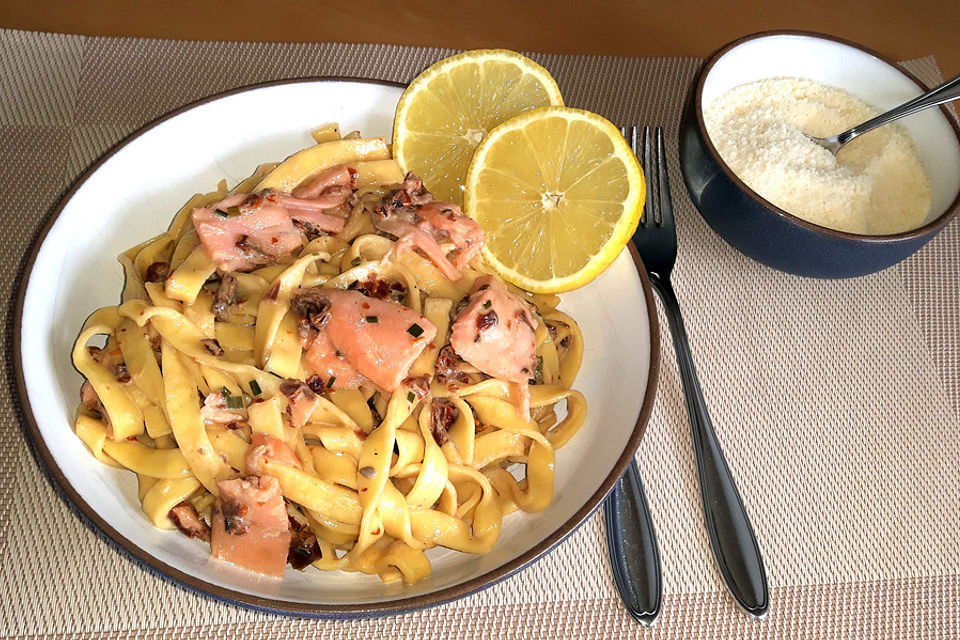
x=449, y=108
x=559, y=193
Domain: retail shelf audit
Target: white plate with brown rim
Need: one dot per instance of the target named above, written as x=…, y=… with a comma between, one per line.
x=132, y=193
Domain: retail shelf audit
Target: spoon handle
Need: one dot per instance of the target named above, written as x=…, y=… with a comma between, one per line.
x=949, y=90
x=732, y=538
x=632, y=547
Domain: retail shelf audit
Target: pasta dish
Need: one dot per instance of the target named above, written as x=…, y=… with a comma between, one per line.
x=316, y=368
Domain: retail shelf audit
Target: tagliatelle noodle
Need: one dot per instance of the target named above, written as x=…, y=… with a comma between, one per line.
x=415, y=491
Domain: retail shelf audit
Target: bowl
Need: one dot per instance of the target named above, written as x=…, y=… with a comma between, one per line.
x=773, y=236
x=132, y=193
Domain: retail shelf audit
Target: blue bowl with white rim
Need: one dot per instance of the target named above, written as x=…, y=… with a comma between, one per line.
x=773, y=236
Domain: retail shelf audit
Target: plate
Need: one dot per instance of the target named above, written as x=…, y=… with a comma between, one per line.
x=132, y=194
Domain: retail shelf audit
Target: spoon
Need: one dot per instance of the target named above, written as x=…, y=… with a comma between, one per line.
x=949, y=90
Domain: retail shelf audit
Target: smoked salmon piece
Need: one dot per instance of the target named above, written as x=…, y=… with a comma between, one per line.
x=445, y=222
x=247, y=230
x=250, y=525
x=331, y=365
x=264, y=446
x=325, y=181
x=410, y=214
x=410, y=236
x=314, y=211
x=259, y=234
x=379, y=338
x=494, y=332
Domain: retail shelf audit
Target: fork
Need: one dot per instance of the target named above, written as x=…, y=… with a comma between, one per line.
x=732, y=539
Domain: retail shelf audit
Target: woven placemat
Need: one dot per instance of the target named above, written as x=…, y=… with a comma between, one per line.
x=837, y=402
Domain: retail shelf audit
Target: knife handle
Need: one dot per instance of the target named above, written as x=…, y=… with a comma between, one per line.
x=632, y=547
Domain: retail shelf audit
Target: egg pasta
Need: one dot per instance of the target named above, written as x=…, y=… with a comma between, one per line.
x=231, y=370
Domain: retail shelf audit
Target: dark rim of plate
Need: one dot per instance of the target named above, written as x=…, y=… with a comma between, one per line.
x=288, y=607
x=937, y=223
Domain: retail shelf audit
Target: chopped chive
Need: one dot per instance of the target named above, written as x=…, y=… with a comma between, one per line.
x=371, y=319
x=229, y=400
x=486, y=305
x=356, y=261
x=255, y=388
x=229, y=212
x=411, y=396
x=331, y=381
x=415, y=330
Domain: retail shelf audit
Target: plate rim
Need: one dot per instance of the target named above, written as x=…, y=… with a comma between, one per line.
x=290, y=607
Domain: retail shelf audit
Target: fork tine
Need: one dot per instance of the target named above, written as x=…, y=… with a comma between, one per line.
x=630, y=135
x=651, y=207
x=663, y=184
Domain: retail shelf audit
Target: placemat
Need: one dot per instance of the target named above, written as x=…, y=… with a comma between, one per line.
x=837, y=402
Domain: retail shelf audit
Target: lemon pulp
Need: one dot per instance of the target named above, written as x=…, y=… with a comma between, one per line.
x=453, y=105
x=559, y=193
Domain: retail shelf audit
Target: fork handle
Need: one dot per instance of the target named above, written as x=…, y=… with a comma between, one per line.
x=731, y=535
x=632, y=547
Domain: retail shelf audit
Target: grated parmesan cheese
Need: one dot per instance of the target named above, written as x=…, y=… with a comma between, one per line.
x=876, y=185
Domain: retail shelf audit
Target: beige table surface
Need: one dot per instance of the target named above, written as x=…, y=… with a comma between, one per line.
x=837, y=402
